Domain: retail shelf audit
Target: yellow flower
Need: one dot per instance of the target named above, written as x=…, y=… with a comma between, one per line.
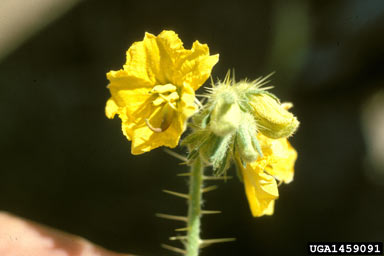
x=154, y=93
x=259, y=176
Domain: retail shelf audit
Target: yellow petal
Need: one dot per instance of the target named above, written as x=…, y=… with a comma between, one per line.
x=261, y=190
x=111, y=108
x=284, y=160
x=128, y=91
x=142, y=60
x=127, y=127
x=187, y=106
x=195, y=66
x=154, y=57
x=279, y=157
x=144, y=139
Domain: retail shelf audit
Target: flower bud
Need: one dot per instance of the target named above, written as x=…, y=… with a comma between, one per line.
x=246, y=142
x=273, y=120
x=225, y=116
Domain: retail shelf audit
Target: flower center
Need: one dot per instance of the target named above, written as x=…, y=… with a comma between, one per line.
x=166, y=93
x=166, y=97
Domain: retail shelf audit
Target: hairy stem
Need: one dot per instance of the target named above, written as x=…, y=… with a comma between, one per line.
x=194, y=208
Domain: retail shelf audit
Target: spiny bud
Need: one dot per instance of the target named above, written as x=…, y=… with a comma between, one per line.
x=228, y=125
x=273, y=120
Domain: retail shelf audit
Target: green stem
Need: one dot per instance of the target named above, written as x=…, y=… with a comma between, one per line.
x=194, y=208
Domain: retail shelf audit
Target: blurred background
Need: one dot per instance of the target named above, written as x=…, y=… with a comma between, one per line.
x=64, y=164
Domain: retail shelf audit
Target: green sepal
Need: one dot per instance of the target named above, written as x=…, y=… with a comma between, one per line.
x=256, y=145
x=222, y=167
x=221, y=158
x=202, y=119
x=194, y=139
x=245, y=143
x=244, y=106
x=194, y=142
x=212, y=148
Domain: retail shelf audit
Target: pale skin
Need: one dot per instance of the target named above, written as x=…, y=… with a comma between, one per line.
x=20, y=237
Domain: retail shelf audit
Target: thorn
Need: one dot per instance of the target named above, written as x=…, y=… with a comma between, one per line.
x=210, y=188
x=173, y=238
x=209, y=212
x=208, y=242
x=173, y=249
x=204, y=100
x=198, y=103
x=233, y=76
x=182, y=229
x=227, y=77
x=263, y=80
x=202, y=95
x=266, y=88
x=171, y=217
x=174, y=154
x=184, y=174
x=176, y=193
x=217, y=177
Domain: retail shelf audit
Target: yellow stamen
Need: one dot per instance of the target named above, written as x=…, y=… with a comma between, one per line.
x=158, y=101
x=166, y=94
x=164, y=88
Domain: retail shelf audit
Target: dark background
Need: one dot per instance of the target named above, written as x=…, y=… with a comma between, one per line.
x=64, y=164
